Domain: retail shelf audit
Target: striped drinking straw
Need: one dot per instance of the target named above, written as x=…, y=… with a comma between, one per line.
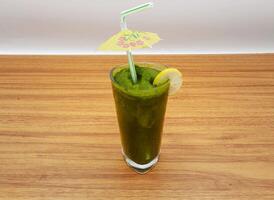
x=123, y=15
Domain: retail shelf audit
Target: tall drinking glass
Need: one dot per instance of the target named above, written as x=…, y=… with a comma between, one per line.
x=140, y=116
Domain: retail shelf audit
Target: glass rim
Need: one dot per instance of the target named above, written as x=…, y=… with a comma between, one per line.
x=122, y=66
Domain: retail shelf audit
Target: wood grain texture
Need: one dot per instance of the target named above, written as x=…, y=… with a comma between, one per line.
x=59, y=136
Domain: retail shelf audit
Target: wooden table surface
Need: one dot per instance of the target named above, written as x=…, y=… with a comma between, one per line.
x=59, y=136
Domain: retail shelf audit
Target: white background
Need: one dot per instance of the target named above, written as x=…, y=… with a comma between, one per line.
x=192, y=26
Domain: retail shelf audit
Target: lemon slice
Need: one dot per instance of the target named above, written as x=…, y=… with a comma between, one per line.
x=173, y=75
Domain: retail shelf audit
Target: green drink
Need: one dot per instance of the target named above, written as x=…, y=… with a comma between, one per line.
x=140, y=111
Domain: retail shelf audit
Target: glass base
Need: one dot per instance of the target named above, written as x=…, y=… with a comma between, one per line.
x=140, y=168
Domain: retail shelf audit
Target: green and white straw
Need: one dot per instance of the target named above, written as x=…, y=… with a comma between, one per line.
x=123, y=15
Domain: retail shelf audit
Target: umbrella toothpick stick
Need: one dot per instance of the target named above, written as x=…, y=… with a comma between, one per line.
x=124, y=26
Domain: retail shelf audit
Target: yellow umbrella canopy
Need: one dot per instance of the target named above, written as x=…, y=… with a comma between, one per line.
x=127, y=40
